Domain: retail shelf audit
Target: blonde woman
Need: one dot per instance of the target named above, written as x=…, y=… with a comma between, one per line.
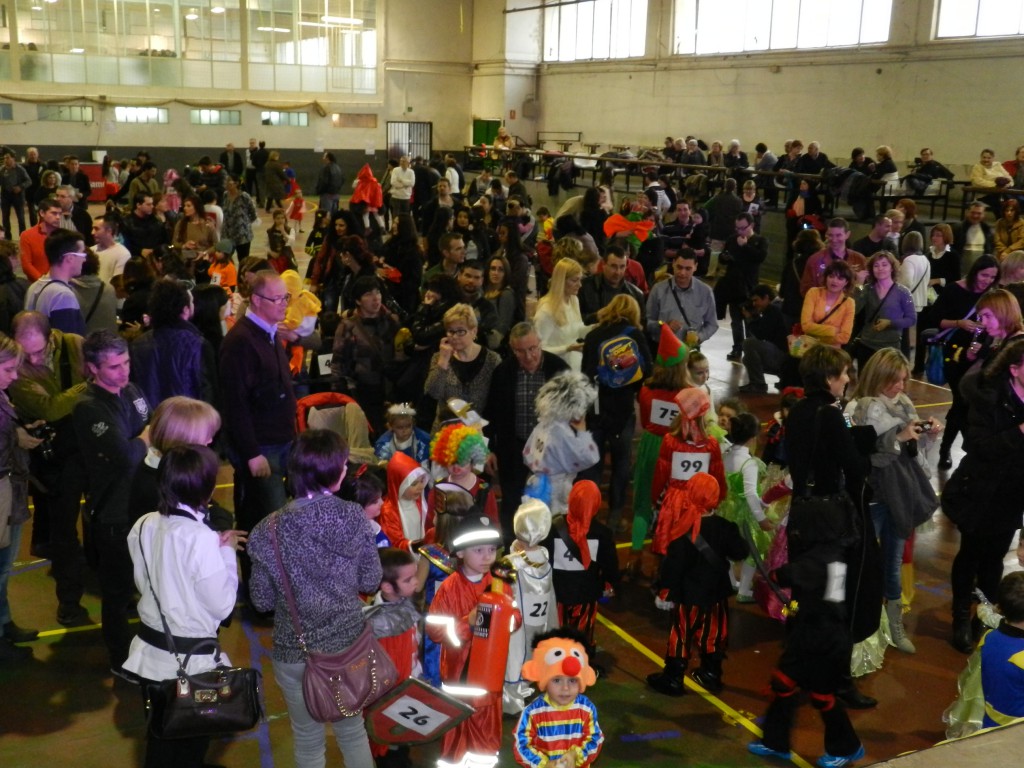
x=558, y=319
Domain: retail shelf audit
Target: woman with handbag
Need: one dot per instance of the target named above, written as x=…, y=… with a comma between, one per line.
x=902, y=497
x=985, y=496
x=827, y=315
x=329, y=556
x=886, y=306
x=828, y=470
x=956, y=311
x=187, y=576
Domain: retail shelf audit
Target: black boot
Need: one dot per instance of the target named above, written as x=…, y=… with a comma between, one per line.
x=710, y=673
x=670, y=680
x=851, y=697
x=962, y=638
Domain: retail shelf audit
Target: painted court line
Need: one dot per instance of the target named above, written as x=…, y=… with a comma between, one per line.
x=735, y=715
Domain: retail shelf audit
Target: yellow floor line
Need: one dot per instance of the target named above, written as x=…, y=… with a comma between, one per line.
x=69, y=630
x=932, y=405
x=733, y=714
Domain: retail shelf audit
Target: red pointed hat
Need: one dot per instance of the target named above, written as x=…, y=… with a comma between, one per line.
x=671, y=351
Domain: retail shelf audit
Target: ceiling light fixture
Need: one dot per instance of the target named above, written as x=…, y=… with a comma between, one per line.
x=191, y=15
x=78, y=50
x=273, y=29
x=341, y=20
x=217, y=9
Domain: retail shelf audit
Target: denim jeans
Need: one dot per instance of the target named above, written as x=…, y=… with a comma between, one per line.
x=7, y=555
x=309, y=738
x=892, y=551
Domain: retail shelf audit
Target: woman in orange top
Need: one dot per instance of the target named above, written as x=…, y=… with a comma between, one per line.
x=828, y=312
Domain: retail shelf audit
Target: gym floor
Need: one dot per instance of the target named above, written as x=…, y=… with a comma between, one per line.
x=62, y=706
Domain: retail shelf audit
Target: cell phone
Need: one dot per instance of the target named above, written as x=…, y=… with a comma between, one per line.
x=926, y=426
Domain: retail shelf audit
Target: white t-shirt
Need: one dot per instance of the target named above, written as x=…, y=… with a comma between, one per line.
x=112, y=261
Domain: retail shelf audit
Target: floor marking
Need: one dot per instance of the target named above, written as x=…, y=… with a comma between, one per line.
x=736, y=716
x=650, y=736
x=69, y=630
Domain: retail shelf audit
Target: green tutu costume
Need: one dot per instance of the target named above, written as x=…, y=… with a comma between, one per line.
x=736, y=510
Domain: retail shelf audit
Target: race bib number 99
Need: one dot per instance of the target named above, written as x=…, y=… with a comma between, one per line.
x=686, y=465
x=663, y=412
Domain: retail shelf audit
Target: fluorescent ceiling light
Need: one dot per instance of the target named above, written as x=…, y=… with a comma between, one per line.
x=50, y=1
x=341, y=20
x=191, y=15
x=78, y=50
x=217, y=9
x=37, y=7
x=272, y=29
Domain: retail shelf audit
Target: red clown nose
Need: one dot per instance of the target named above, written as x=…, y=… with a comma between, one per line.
x=571, y=666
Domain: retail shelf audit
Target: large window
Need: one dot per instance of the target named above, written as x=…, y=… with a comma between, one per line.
x=294, y=119
x=215, y=116
x=980, y=18
x=734, y=26
x=140, y=115
x=64, y=114
x=311, y=46
x=595, y=29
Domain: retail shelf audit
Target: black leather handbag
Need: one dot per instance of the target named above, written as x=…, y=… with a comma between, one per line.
x=217, y=702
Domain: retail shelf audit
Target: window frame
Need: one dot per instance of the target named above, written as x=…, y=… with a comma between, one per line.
x=196, y=117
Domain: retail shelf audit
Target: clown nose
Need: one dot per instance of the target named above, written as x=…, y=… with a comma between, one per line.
x=571, y=667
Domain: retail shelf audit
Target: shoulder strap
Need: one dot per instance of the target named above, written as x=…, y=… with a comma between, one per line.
x=95, y=302
x=286, y=585
x=562, y=528
x=881, y=304
x=834, y=309
x=672, y=290
x=65, y=364
x=35, y=299
x=809, y=484
x=715, y=559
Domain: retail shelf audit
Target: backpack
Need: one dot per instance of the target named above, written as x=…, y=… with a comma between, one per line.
x=620, y=361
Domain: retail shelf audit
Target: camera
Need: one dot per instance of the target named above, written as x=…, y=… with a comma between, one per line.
x=926, y=426
x=46, y=433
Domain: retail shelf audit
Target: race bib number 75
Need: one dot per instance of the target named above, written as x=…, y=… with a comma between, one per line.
x=663, y=412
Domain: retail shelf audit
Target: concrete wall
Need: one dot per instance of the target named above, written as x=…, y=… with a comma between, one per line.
x=447, y=61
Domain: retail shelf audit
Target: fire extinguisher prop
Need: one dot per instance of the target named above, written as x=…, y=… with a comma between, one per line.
x=497, y=617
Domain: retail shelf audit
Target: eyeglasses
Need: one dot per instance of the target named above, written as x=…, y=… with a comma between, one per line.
x=77, y=253
x=460, y=332
x=276, y=299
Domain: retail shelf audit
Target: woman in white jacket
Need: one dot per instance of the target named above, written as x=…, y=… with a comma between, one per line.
x=186, y=572
x=558, y=319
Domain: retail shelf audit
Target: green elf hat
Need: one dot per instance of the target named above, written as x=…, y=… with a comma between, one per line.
x=671, y=351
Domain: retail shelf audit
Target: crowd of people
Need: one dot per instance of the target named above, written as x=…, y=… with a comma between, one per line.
x=491, y=430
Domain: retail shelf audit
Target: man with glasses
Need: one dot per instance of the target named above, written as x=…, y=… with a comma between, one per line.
x=258, y=404
x=512, y=414
x=51, y=294
x=743, y=255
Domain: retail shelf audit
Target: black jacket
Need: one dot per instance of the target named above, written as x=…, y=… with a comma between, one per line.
x=174, y=360
x=574, y=587
x=960, y=237
x=769, y=326
x=690, y=577
x=595, y=294
x=501, y=410
x=108, y=428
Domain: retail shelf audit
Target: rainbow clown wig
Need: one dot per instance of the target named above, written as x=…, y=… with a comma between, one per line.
x=458, y=444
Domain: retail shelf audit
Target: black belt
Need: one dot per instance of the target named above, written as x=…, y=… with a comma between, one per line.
x=181, y=644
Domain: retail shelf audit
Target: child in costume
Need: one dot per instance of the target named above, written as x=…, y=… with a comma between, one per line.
x=452, y=614
x=367, y=490
x=534, y=592
x=745, y=474
x=699, y=368
x=403, y=517
x=458, y=449
x=560, y=445
x=280, y=239
x=394, y=618
x=560, y=728
x=222, y=270
x=727, y=410
x=402, y=435
x=657, y=411
x=686, y=450
x=449, y=504
x=296, y=210
x=966, y=715
x=1002, y=671
x=301, y=315
x=695, y=585
x=584, y=559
